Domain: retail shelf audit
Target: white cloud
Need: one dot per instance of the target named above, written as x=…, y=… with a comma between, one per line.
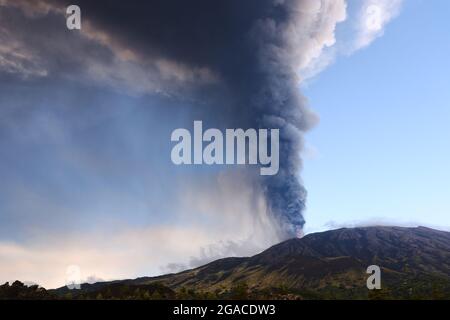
x=364, y=22
x=373, y=17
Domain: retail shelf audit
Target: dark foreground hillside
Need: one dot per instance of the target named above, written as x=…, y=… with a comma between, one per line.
x=415, y=264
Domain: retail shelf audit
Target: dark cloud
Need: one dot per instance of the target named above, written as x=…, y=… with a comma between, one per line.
x=237, y=60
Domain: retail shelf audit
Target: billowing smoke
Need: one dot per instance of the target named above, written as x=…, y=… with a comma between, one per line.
x=257, y=49
x=239, y=61
x=285, y=44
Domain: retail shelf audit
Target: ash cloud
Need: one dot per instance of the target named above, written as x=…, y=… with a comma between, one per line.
x=256, y=49
x=240, y=61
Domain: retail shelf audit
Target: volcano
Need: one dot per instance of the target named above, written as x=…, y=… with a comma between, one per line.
x=414, y=263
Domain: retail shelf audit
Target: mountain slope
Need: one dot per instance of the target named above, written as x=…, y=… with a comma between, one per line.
x=331, y=264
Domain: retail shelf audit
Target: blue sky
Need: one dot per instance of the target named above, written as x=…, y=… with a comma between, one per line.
x=382, y=149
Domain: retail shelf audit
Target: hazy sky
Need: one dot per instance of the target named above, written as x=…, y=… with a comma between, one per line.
x=86, y=116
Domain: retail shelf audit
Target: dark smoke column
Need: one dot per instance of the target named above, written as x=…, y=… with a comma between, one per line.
x=285, y=194
x=279, y=104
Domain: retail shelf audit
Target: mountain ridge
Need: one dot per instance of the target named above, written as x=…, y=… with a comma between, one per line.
x=327, y=263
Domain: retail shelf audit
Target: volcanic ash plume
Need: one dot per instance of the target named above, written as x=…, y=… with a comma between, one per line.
x=255, y=50
x=240, y=62
x=283, y=43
